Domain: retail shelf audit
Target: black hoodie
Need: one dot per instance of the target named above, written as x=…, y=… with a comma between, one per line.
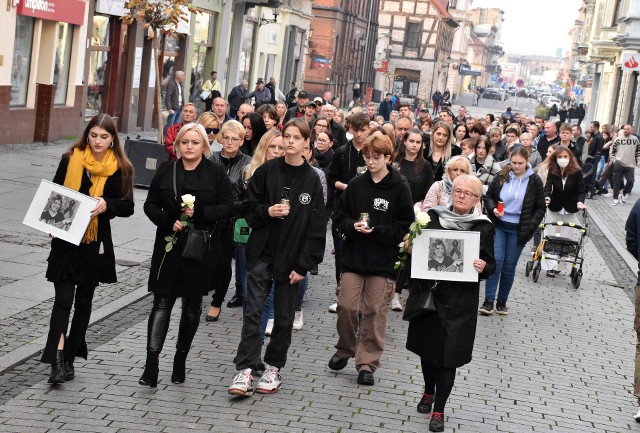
x=390, y=210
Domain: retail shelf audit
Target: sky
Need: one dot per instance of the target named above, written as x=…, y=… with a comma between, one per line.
x=535, y=27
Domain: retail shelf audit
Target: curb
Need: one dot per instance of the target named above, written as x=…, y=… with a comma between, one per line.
x=30, y=349
x=631, y=262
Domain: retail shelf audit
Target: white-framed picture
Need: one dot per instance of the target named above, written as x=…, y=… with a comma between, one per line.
x=60, y=212
x=445, y=255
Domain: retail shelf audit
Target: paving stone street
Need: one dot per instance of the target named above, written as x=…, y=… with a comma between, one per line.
x=562, y=361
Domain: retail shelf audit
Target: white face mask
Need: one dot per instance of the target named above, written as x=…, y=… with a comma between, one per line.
x=563, y=162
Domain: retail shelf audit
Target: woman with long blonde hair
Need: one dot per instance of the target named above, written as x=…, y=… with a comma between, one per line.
x=441, y=149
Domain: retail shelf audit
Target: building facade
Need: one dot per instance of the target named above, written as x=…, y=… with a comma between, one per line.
x=417, y=38
x=41, y=73
x=342, y=47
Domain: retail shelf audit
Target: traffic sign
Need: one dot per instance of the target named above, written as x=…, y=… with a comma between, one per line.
x=520, y=82
x=574, y=89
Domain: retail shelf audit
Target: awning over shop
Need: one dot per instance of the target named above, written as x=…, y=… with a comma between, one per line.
x=66, y=11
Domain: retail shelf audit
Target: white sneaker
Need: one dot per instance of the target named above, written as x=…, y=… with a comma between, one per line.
x=625, y=197
x=333, y=308
x=615, y=202
x=270, y=381
x=395, y=303
x=269, y=328
x=298, y=321
x=242, y=383
x=637, y=416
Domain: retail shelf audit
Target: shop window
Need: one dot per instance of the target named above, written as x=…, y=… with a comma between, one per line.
x=21, y=61
x=202, y=44
x=98, y=65
x=244, y=70
x=62, y=65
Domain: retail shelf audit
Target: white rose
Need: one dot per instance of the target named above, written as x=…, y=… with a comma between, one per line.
x=188, y=201
x=422, y=218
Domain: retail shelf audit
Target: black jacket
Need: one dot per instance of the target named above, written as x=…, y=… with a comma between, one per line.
x=533, y=206
x=85, y=264
x=302, y=240
x=446, y=338
x=237, y=97
x=293, y=113
x=632, y=228
x=567, y=196
x=597, y=142
x=210, y=185
x=390, y=210
x=344, y=165
x=544, y=143
x=234, y=167
x=339, y=134
x=385, y=109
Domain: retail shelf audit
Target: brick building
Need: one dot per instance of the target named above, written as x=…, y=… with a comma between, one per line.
x=419, y=36
x=341, y=47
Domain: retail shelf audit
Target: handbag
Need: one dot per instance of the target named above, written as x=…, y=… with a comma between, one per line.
x=205, y=95
x=241, y=231
x=195, y=244
x=196, y=241
x=420, y=302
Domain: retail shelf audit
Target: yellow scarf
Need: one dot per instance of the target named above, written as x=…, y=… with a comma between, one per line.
x=99, y=170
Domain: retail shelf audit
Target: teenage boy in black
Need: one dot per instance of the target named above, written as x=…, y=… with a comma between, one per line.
x=286, y=242
x=347, y=163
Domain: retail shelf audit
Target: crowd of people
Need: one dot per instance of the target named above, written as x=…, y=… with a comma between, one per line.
x=256, y=185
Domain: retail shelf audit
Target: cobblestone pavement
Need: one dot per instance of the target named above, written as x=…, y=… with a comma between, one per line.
x=561, y=362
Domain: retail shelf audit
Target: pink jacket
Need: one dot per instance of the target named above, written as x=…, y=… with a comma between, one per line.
x=437, y=196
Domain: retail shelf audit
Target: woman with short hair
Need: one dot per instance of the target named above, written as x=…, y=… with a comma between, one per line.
x=439, y=193
x=173, y=276
x=444, y=338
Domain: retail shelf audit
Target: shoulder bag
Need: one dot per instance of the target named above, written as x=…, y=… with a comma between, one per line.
x=420, y=301
x=241, y=231
x=196, y=241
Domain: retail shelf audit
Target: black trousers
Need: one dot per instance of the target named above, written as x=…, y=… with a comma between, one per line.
x=259, y=282
x=160, y=316
x=438, y=381
x=75, y=344
x=337, y=247
x=222, y=268
x=623, y=178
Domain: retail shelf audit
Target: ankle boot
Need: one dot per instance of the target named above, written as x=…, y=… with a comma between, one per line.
x=151, y=368
x=179, y=361
x=69, y=372
x=57, y=369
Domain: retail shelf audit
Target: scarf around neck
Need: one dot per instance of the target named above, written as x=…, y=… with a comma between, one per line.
x=451, y=220
x=99, y=172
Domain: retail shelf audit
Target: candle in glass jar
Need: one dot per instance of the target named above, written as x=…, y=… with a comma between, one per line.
x=364, y=218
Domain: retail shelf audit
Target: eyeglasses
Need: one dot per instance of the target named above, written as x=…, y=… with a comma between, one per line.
x=465, y=194
x=212, y=130
x=321, y=125
x=320, y=140
x=231, y=139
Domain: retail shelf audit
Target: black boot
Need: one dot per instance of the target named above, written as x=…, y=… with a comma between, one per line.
x=69, y=372
x=236, y=301
x=151, y=368
x=179, y=361
x=57, y=369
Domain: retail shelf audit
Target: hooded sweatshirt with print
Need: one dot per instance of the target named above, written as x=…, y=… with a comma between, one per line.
x=390, y=210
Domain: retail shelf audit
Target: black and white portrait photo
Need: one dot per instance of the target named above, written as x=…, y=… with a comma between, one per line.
x=445, y=255
x=59, y=211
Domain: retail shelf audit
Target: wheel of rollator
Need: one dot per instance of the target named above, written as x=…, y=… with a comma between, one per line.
x=536, y=274
x=528, y=268
x=577, y=279
x=573, y=272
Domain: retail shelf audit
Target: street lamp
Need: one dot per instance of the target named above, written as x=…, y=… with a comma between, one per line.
x=276, y=12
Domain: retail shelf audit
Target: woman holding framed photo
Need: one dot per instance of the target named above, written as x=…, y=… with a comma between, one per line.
x=444, y=338
x=97, y=166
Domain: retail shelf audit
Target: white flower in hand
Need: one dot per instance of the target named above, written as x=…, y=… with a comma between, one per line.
x=422, y=218
x=188, y=201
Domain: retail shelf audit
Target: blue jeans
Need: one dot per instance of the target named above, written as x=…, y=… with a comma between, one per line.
x=507, y=252
x=599, y=171
x=176, y=117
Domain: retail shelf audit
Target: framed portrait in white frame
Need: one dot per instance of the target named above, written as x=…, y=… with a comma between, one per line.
x=60, y=212
x=445, y=255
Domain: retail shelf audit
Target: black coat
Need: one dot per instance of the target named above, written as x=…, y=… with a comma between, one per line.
x=533, y=206
x=339, y=134
x=301, y=244
x=445, y=338
x=209, y=183
x=84, y=264
x=567, y=196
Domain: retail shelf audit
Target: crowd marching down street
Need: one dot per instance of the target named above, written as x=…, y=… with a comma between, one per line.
x=436, y=206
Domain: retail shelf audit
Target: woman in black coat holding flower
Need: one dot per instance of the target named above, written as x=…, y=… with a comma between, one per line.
x=173, y=276
x=444, y=339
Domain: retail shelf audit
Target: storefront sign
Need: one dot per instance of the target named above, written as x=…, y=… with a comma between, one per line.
x=65, y=11
x=111, y=7
x=631, y=62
